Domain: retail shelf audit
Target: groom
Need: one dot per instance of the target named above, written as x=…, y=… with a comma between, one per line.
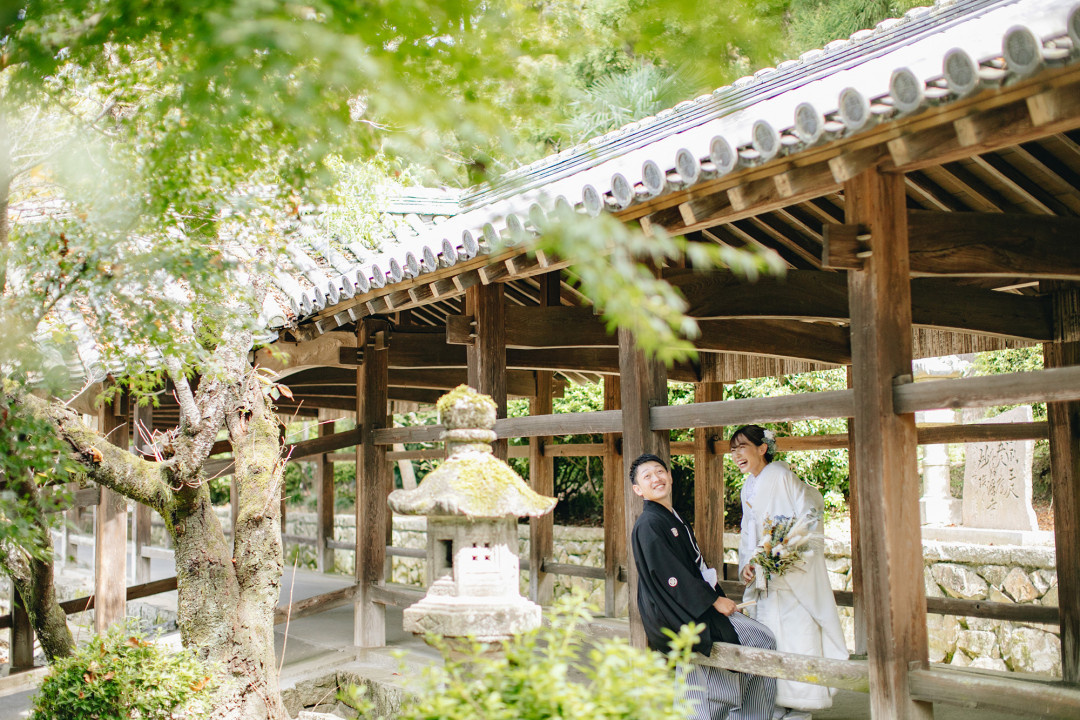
x=675, y=587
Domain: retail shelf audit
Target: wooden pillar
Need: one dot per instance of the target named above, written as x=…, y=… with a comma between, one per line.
x=284, y=495
x=644, y=385
x=372, y=483
x=1064, y=424
x=110, y=530
x=144, y=423
x=22, y=634
x=858, y=609
x=324, y=502
x=616, y=491
x=487, y=354
x=542, y=479
x=542, y=466
x=388, y=560
x=885, y=445
x=709, y=488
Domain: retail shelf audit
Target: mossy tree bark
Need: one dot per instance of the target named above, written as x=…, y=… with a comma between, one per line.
x=33, y=580
x=226, y=594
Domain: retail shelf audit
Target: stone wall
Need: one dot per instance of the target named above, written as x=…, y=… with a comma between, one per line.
x=1003, y=573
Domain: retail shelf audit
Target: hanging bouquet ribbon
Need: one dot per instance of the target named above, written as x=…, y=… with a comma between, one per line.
x=783, y=546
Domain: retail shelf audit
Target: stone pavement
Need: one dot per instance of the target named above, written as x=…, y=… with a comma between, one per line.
x=318, y=651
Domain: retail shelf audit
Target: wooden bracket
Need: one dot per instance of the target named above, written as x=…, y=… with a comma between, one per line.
x=461, y=330
x=844, y=247
x=350, y=356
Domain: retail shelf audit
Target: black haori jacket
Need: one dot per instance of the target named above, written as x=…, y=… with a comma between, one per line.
x=671, y=591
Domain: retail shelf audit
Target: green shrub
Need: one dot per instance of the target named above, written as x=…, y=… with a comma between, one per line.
x=122, y=675
x=551, y=673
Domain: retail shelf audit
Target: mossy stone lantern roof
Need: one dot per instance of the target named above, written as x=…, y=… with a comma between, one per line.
x=472, y=482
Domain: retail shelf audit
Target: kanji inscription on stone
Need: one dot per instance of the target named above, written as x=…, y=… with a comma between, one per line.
x=997, y=480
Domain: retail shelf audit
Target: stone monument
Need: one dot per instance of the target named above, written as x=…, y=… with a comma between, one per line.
x=472, y=502
x=937, y=506
x=997, y=480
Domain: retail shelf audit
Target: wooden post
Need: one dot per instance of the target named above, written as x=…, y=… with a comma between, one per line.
x=144, y=418
x=324, y=502
x=644, y=386
x=388, y=560
x=616, y=491
x=858, y=610
x=22, y=634
x=372, y=483
x=542, y=479
x=885, y=444
x=542, y=467
x=110, y=530
x=709, y=487
x=487, y=354
x=1064, y=426
x=284, y=495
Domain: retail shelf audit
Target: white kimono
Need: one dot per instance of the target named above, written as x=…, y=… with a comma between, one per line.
x=799, y=606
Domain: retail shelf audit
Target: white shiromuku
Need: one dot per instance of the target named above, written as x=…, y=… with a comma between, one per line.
x=799, y=606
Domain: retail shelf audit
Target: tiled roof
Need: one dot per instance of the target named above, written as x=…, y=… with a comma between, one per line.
x=931, y=56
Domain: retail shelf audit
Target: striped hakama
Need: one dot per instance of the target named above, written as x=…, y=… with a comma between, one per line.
x=725, y=695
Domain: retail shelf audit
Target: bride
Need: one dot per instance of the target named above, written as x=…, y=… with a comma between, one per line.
x=797, y=606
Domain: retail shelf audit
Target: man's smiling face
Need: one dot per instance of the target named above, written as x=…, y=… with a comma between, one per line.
x=653, y=482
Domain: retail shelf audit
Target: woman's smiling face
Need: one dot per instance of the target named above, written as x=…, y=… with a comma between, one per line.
x=747, y=456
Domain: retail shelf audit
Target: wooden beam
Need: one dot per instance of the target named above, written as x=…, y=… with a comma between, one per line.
x=846, y=674
x=1022, y=118
x=1063, y=419
x=943, y=303
x=373, y=482
x=338, y=383
x=709, y=477
x=996, y=693
x=802, y=294
x=820, y=295
x=777, y=338
x=110, y=530
x=540, y=327
x=888, y=487
x=616, y=494
x=994, y=244
x=487, y=355
x=1059, y=384
x=643, y=382
x=834, y=403
x=319, y=603
x=599, y=360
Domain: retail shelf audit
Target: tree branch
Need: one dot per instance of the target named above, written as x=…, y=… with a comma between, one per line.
x=190, y=417
x=106, y=464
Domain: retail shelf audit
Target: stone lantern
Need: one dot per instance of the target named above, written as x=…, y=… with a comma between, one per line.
x=472, y=502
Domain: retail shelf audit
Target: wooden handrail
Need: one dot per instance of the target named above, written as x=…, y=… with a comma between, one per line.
x=134, y=592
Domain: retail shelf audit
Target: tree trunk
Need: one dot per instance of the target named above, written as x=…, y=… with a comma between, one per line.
x=226, y=596
x=33, y=580
x=32, y=575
